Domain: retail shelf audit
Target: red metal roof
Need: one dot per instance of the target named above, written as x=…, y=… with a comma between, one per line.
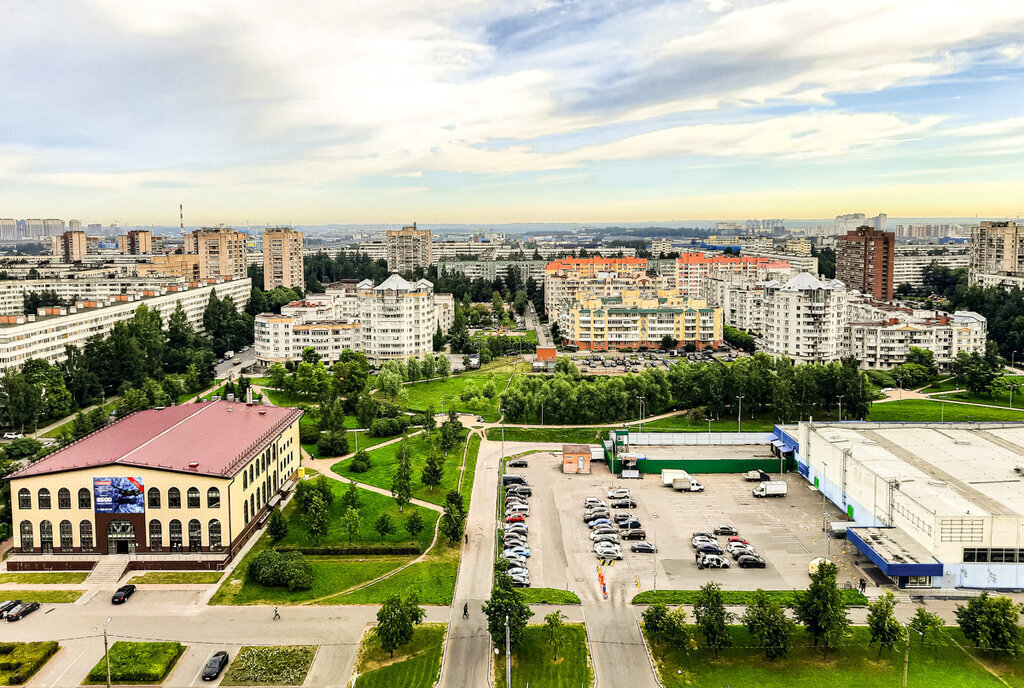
x=546, y=353
x=220, y=436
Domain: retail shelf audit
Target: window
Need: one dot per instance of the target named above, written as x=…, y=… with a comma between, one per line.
x=154, y=498
x=245, y=512
x=195, y=535
x=84, y=499
x=193, y=498
x=961, y=530
x=250, y=473
x=44, y=498
x=64, y=499
x=175, y=532
x=85, y=535
x=26, y=536
x=67, y=542
x=174, y=498
x=245, y=479
x=252, y=505
x=46, y=537
x=156, y=535
x=213, y=498
x=24, y=499
x=215, y=535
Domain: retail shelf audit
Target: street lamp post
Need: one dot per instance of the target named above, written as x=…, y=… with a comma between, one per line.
x=841, y=408
x=739, y=415
x=642, y=403
x=900, y=383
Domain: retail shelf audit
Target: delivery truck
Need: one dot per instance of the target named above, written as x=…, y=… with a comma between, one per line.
x=670, y=474
x=687, y=484
x=771, y=488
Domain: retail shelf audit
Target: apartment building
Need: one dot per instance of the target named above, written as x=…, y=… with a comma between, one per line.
x=661, y=246
x=45, y=334
x=799, y=262
x=910, y=262
x=805, y=319
x=997, y=250
x=8, y=229
x=72, y=246
x=221, y=252
x=89, y=285
x=634, y=320
x=181, y=265
x=800, y=246
x=409, y=248
x=883, y=340
x=136, y=242
x=393, y=320
x=375, y=250
x=494, y=269
x=864, y=261
x=692, y=269
x=53, y=227
x=564, y=277
x=283, y=264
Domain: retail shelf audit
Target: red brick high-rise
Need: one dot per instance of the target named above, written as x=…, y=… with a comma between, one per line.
x=864, y=260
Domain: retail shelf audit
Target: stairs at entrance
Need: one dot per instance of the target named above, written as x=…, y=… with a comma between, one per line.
x=108, y=569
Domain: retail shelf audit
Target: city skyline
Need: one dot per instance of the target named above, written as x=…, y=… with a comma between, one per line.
x=458, y=112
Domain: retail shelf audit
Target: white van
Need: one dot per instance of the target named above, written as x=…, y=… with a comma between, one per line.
x=514, y=509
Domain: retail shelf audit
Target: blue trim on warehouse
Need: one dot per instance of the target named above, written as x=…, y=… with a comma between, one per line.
x=892, y=568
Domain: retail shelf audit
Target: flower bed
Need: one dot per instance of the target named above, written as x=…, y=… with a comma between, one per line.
x=282, y=665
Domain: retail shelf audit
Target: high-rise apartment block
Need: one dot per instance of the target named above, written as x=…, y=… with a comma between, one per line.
x=864, y=261
x=805, y=319
x=8, y=228
x=53, y=227
x=997, y=253
x=32, y=228
x=692, y=269
x=74, y=225
x=409, y=248
x=72, y=246
x=221, y=252
x=282, y=258
x=136, y=242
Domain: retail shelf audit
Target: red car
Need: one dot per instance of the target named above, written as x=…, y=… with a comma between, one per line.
x=515, y=518
x=737, y=538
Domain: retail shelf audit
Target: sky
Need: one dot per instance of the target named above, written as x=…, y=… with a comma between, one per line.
x=456, y=111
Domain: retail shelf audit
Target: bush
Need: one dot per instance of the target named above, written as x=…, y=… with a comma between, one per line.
x=276, y=569
x=137, y=662
x=332, y=444
x=387, y=427
x=388, y=410
x=309, y=434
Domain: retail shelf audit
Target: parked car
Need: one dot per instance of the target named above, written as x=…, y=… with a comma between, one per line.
x=513, y=559
x=701, y=533
x=634, y=534
x=644, y=547
x=520, y=582
x=515, y=518
x=709, y=548
x=517, y=528
x=518, y=550
x=624, y=504
x=515, y=499
x=619, y=518
x=217, y=662
x=738, y=552
x=750, y=561
x=521, y=490
x=122, y=594
x=714, y=561
x=607, y=537
x=703, y=540
x=738, y=545
x=620, y=493
x=601, y=530
x=599, y=522
x=630, y=524
x=726, y=530
x=8, y=605
x=591, y=515
x=737, y=538
x=607, y=548
x=13, y=435
x=518, y=463
x=518, y=571
x=513, y=540
x=22, y=610
x=591, y=502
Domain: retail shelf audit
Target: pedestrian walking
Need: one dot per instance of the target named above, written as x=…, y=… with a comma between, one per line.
x=466, y=535
x=465, y=611
x=277, y=614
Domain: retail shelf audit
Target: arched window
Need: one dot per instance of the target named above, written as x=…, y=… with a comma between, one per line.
x=213, y=498
x=175, y=533
x=252, y=505
x=251, y=474
x=26, y=536
x=85, y=535
x=245, y=512
x=84, y=499
x=46, y=537
x=245, y=479
x=24, y=499
x=44, y=498
x=193, y=497
x=156, y=536
x=195, y=535
x=215, y=535
x=154, y=498
x=64, y=498
x=67, y=541
x=266, y=489
x=174, y=498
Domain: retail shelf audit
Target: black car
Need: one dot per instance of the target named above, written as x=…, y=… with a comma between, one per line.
x=710, y=549
x=521, y=490
x=593, y=515
x=635, y=534
x=216, y=665
x=8, y=605
x=750, y=561
x=726, y=530
x=122, y=594
x=518, y=463
x=644, y=547
x=624, y=504
x=22, y=610
x=630, y=524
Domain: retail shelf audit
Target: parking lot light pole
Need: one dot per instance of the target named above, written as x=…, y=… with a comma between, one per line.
x=840, y=408
x=739, y=415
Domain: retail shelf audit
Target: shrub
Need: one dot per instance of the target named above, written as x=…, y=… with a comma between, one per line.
x=332, y=444
x=276, y=569
x=386, y=427
x=388, y=410
x=309, y=434
x=137, y=662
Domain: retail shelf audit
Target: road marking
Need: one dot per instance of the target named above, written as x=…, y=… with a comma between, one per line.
x=73, y=662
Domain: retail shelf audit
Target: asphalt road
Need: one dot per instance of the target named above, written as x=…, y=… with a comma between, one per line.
x=229, y=369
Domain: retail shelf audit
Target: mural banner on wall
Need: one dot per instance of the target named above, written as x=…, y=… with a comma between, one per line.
x=118, y=495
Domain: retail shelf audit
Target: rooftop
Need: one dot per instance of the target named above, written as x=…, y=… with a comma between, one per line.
x=218, y=436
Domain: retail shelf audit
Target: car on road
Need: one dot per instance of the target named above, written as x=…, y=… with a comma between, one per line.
x=620, y=493
x=714, y=561
x=601, y=530
x=8, y=605
x=644, y=547
x=726, y=530
x=519, y=463
x=515, y=518
x=630, y=524
x=22, y=610
x=607, y=537
x=13, y=435
x=750, y=561
x=624, y=504
x=599, y=522
x=708, y=548
x=591, y=502
x=217, y=662
x=519, y=550
x=634, y=534
x=122, y=594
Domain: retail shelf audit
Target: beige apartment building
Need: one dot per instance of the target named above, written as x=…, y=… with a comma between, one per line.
x=136, y=242
x=221, y=252
x=73, y=246
x=409, y=248
x=997, y=249
x=282, y=258
x=179, y=487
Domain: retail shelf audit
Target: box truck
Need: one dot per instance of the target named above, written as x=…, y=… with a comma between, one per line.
x=771, y=488
x=756, y=475
x=687, y=484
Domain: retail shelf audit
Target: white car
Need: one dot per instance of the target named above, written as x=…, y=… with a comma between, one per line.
x=518, y=571
x=620, y=493
x=513, y=559
x=517, y=528
x=601, y=546
x=13, y=435
x=738, y=545
x=608, y=553
x=603, y=530
x=698, y=541
x=591, y=502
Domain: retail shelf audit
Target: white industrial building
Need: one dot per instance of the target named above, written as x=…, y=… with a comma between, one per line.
x=932, y=505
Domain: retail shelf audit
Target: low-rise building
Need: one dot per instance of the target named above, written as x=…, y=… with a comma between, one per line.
x=494, y=269
x=910, y=262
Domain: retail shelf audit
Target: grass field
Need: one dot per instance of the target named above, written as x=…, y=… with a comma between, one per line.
x=281, y=665
x=178, y=578
x=549, y=596
x=855, y=664
x=785, y=597
x=384, y=462
x=912, y=410
x=43, y=596
x=1002, y=400
x=136, y=663
x=365, y=442
x=64, y=577
x=23, y=660
x=279, y=397
x=535, y=663
x=560, y=435
x=423, y=394
x=433, y=579
x=414, y=665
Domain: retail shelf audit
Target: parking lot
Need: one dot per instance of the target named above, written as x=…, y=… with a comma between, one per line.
x=785, y=531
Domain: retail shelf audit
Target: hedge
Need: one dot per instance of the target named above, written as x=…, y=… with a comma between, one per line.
x=342, y=550
x=22, y=660
x=137, y=662
x=275, y=569
x=787, y=598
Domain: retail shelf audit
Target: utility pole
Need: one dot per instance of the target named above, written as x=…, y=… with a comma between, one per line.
x=840, y=408
x=739, y=415
x=106, y=651
x=508, y=656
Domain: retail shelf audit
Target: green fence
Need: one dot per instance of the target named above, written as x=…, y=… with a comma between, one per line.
x=723, y=465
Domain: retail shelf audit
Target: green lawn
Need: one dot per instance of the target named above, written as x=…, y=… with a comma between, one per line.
x=912, y=410
x=433, y=579
x=785, y=597
x=281, y=665
x=365, y=442
x=279, y=397
x=535, y=663
x=470, y=473
x=414, y=665
x=178, y=578
x=384, y=462
x=855, y=664
x=559, y=435
x=760, y=423
x=946, y=385
x=22, y=660
x=135, y=663
x=65, y=577
x=43, y=596
x=1009, y=669
x=549, y=596
x=423, y=394
x=1002, y=399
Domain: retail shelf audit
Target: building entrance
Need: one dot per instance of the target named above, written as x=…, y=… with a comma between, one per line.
x=120, y=537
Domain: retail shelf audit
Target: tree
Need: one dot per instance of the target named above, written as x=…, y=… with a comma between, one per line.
x=924, y=358
x=669, y=342
x=414, y=524
x=332, y=444
x=433, y=471
x=927, y=624
x=277, y=525
x=429, y=422
x=821, y=608
x=429, y=366
x=395, y=621
x=309, y=355
x=22, y=401
x=711, y=616
x=350, y=500
x=389, y=383
x=453, y=520
x=360, y=462
x=554, y=628
x=443, y=366
x=991, y=623
x=316, y=517
x=384, y=526
x=413, y=370
x=506, y=601
x=884, y=627
x=766, y=620
x=401, y=485
x=351, y=523
x=654, y=620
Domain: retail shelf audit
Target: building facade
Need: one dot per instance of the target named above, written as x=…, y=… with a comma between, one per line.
x=910, y=263
x=136, y=242
x=884, y=342
x=282, y=258
x=692, y=269
x=997, y=250
x=494, y=269
x=565, y=277
x=805, y=319
x=221, y=252
x=73, y=246
x=409, y=248
x=864, y=261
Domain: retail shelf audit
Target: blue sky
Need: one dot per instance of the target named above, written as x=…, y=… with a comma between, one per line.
x=519, y=110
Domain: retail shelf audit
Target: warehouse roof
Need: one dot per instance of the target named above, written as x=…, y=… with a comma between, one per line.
x=208, y=438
